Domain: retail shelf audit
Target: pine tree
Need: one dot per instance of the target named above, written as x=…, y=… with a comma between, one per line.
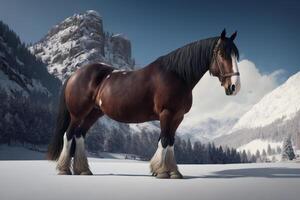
x=287, y=149
x=244, y=158
x=264, y=156
x=278, y=150
x=257, y=155
x=264, y=153
x=298, y=140
x=253, y=159
x=249, y=155
x=269, y=150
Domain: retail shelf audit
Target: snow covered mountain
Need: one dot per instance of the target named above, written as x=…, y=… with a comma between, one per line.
x=206, y=130
x=282, y=103
x=78, y=40
x=274, y=117
x=27, y=93
x=16, y=64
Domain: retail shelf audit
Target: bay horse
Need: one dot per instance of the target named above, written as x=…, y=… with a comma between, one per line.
x=160, y=91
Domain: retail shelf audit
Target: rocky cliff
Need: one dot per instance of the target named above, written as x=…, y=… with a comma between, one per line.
x=78, y=40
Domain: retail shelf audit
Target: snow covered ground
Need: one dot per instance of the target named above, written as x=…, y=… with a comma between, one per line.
x=124, y=179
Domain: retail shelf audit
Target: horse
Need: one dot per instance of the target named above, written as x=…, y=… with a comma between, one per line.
x=160, y=91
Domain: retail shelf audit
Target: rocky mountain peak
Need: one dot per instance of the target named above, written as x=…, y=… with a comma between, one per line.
x=78, y=40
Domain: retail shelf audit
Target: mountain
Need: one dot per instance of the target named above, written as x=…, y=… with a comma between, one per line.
x=207, y=130
x=282, y=103
x=27, y=92
x=273, y=118
x=78, y=40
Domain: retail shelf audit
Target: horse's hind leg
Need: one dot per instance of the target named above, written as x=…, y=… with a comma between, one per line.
x=163, y=163
x=80, y=165
x=64, y=160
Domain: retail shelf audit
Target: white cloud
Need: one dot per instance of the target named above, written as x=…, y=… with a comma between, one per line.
x=210, y=101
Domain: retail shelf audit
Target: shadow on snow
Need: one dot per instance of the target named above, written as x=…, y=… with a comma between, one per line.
x=235, y=173
x=254, y=173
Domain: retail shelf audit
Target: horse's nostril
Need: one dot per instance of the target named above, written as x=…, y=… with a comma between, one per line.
x=233, y=88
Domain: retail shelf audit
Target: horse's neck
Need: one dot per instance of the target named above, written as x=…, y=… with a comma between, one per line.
x=195, y=82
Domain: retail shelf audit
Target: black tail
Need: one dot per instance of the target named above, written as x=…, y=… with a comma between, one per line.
x=62, y=123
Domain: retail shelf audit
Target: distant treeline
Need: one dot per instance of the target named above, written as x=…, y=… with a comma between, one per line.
x=145, y=145
x=25, y=120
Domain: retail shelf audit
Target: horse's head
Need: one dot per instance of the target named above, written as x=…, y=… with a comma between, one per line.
x=224, y=64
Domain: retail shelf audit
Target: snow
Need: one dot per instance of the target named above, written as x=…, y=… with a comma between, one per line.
x=38, y=87
x=10, y=86
x=281, y=103
x=206, y=130
x=93, y=12
x=145, y=127
x=19, y=153
x=260, y=145
x=115, y=179
x=19, y=62
x=120, y=35
x=128, y=179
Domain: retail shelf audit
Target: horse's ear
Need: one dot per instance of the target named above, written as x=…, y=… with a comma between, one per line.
x=223, y=34
x=233, y=36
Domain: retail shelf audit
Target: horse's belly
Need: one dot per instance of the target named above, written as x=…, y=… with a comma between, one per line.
x=130, y=114
x=128, y=110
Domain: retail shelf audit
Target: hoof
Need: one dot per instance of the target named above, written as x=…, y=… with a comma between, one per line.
x=163, y=175
x=154, y=174
x=176, y=175
x=67, y=172
x=86, y=173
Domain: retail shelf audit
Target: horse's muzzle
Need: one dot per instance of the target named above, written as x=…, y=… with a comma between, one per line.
x=231, y=90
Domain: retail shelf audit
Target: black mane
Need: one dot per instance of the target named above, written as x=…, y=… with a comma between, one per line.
x=193, y=60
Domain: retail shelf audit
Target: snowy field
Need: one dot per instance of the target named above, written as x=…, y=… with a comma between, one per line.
x=124, y=179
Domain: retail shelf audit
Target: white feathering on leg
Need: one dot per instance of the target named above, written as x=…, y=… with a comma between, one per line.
x=163, y=162
x=64, y=161
x=80, y=164
x=157, y=161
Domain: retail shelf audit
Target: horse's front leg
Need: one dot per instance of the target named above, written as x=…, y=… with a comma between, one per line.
x=163, y=163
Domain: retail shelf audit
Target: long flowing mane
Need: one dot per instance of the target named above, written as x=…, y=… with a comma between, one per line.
x=191, y=61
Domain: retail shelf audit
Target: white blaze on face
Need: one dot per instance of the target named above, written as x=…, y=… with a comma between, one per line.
x=235, y=80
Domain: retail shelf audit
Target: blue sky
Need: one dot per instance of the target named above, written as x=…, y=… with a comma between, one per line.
x=268, y=33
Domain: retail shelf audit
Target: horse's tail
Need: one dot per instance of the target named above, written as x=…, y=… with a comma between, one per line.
x=62, y=123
